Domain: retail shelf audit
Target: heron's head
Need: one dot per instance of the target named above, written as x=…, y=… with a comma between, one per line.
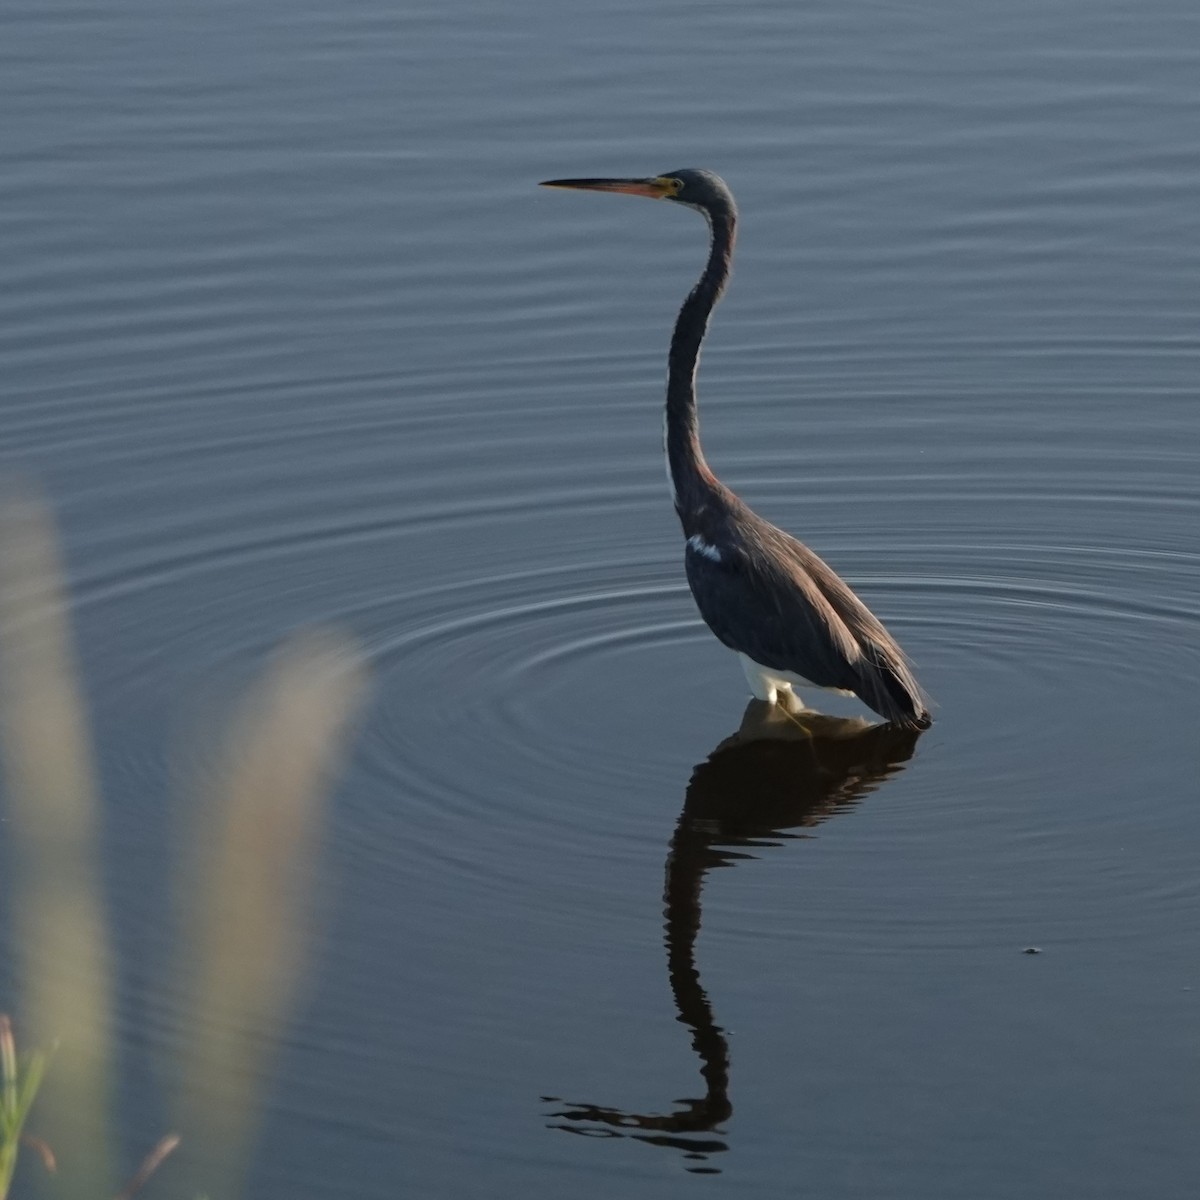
x=697, y=189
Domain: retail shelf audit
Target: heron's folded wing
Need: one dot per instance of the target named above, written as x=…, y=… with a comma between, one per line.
x=768, y=607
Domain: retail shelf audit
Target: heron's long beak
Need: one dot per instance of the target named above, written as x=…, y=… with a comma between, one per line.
x=656, y=189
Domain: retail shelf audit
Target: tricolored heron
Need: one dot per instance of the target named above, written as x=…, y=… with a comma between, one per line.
x=789, y=616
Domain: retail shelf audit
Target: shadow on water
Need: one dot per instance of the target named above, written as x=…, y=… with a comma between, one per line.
x=776, y=775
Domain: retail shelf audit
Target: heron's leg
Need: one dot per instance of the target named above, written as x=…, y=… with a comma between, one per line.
x=767, y=686
x=761, y=684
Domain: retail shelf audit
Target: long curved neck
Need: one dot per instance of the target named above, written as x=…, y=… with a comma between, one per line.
x=691, y=478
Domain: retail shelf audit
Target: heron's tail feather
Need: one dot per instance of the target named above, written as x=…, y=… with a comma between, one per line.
x=891, y=690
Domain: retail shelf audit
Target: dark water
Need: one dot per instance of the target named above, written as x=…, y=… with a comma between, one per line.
x=291, y=338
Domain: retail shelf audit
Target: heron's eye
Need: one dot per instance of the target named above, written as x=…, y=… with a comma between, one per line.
x=676, y=186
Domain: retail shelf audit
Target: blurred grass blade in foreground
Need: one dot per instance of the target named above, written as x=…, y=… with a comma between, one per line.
x=247, y=913
x=20, y=1079
x=59, y=933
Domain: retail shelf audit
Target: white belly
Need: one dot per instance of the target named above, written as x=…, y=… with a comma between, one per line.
x=772, y=685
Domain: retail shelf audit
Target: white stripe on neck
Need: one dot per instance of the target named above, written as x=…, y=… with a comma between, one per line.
x=697, y=543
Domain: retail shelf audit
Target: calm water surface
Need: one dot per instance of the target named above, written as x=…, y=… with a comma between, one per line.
x=291, y=338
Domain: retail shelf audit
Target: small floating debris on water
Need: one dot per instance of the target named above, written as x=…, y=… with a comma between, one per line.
x=1032, y=950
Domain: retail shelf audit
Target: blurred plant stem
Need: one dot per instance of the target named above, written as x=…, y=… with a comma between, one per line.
x=59, y=930
x=246, y=926
x=19, y=1083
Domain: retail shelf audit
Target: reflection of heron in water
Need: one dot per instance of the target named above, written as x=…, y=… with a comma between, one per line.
x=774, y=775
